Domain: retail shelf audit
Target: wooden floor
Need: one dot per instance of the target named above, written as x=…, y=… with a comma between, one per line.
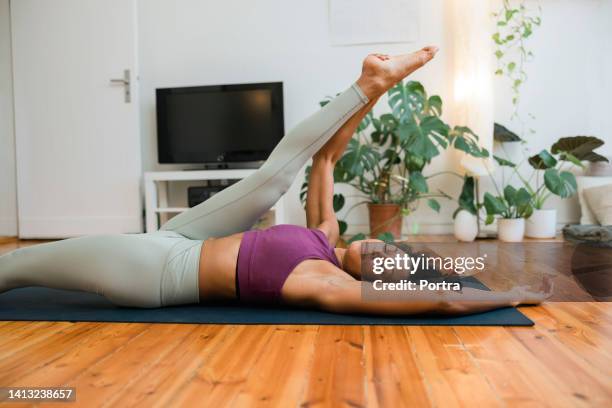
x=565, y=360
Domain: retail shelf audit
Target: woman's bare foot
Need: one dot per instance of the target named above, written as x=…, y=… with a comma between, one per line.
x=380, y=71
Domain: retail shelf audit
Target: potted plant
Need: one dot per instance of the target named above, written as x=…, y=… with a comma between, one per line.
x=386, y=159
x=466, y=215
x=513, y=206
x=553, y=178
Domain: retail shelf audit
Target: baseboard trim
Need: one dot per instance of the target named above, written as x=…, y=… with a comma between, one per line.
x=66, y=227
x=429, y=228
x=408, y=229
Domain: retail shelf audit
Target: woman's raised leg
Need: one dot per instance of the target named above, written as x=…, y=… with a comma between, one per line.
x=238, y=207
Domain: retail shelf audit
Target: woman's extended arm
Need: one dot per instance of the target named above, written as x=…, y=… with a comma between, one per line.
x=319, y=200
x=321, y=285
x=347, y=297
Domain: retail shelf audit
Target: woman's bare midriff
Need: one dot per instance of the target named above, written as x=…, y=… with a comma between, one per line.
x=217, y=274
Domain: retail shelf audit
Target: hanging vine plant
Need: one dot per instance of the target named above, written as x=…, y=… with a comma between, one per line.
x=515, y=25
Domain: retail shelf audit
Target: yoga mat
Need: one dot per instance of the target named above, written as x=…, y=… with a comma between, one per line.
x=42, y=304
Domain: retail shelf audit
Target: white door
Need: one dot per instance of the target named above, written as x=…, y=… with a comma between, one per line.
x=77, y=137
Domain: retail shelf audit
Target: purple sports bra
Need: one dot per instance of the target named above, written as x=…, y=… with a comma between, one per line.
x=267, y=257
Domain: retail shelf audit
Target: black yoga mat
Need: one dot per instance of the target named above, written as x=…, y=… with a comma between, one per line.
x=42, y=304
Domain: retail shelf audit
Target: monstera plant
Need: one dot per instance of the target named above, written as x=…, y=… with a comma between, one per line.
x=386, y=159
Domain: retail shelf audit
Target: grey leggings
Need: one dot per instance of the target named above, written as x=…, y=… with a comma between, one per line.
x=161, y=268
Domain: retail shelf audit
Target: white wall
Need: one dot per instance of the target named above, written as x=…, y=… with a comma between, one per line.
x=192, y=42
x=8, y=200
x=569, y=87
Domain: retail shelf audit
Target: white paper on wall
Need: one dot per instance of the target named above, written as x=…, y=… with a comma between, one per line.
x=372, y=21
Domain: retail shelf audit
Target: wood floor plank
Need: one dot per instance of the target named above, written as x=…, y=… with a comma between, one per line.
x=453, y=375
x=17, y=335
x=579, y=378
x=392, y=373
x=7, y=240
x=158, y=386
x=217, y=381
x=127, y=364
x=335, y=377
x=10, y=331
x=278, y=379
x=574, y=331
x=31, y=358
x=516, y=374
x=589, y=313
x=92, y=349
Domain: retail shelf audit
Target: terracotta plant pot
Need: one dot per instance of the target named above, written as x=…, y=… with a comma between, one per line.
x=385, y=218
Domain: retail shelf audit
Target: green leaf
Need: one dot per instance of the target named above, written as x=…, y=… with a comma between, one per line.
x=467, y=197
x=435, y=103
x=407, y=100
x=511, y=66
x=461, y=144
x=490, y=218
x=325, y=102
x=431, y=124
x=304, y=187
x=338, y=202
x=509, y=13
x=502, y=134
x=493, y=205
x=365, y=122
x=356, y=237
x=420, y=144
x=522, y=197
x=523, y=203
x=407, y=130
x=580, y=146
x=510, y=195
x=542, y=161
x=572, y=159
x=418, y=182
x=342, y=227
x=386, y=236
x=570, y=182
x=434, y=205
x=503, y=162
x=562, y=184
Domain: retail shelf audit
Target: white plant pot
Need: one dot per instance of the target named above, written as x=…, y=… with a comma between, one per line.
x=511, y=229
x=541, y=224
x=466, y=226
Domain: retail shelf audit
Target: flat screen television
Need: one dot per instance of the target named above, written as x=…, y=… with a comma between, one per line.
x=221, y=124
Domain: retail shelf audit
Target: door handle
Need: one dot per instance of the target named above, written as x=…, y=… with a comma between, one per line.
x=126, y=82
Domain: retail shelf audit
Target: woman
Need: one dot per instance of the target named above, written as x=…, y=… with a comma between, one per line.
x=204, y=254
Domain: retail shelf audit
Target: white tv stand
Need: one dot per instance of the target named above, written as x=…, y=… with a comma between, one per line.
x=156, y=192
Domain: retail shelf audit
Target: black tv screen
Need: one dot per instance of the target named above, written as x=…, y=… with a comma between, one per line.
x=220, y=123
